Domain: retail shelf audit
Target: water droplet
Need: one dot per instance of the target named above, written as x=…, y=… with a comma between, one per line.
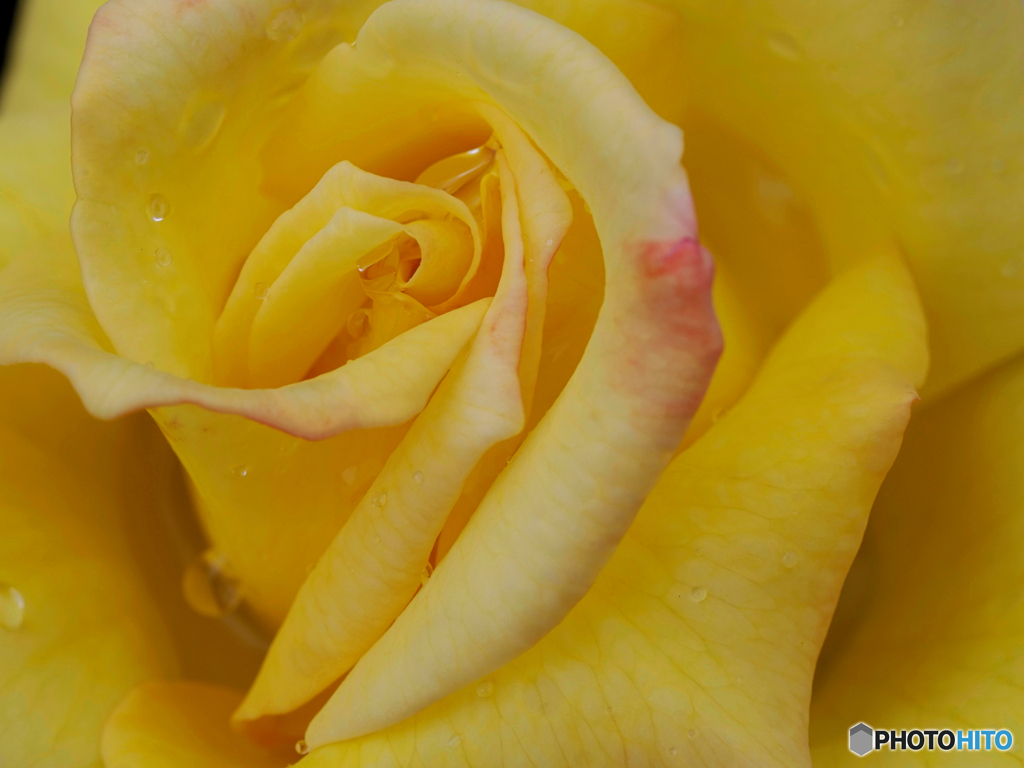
x=549, y=242
x=141, y=157
x=284, y=25
x=672, y=751
x=692, y=733
x=454, y=741
x=260, y=291
x=954, y=166
x=426, y=573
x=302, y=747
x=357, y=323
x=209, y=587
x=201, y=123
x=157, y=207
x=897, y=20
x=417, y=477
x=12, y=607
x=698, y=593
x=789, y=559
x=485, y=689
x=380, y=501
x=163, y=256
x=784, y=46
x=240, y=471
x=349, y=475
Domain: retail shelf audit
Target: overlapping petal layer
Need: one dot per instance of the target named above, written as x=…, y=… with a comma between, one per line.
x=652, y=350
x=376, y=563
x=698, y=642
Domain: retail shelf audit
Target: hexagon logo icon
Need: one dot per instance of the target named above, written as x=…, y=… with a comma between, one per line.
x=861, y=739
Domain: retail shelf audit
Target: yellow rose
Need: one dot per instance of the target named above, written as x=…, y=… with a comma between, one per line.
x=414, y=293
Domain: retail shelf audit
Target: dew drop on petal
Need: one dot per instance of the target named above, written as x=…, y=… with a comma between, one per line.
x=157, y=207
x=789, y=559
x=284, y=25
x=241, y=470
x=12, y=607
x=356, y=323
x=692, y=733
x=141, y=157
x=201, y=124
x=672, y=751
x=426, y=573
x=454, y=741
x=485, y=689
x=698, y=593
x=302, y=747
x=549, y=242
x=349, y=475
x=209, y=587
x=380, y=501
x=784, y=46
x=417, y=477
x=260, y=291
x=163, y=256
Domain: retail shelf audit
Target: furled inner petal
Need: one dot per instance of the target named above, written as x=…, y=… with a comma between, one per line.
x=377, y=561
x=311, y=259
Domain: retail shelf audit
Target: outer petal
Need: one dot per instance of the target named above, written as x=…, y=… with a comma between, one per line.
x=89, y=631
x=930, y=629
x=891, y=117
x=697, y=644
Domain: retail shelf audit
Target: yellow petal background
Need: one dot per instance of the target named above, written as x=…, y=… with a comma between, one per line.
x=953, y=218
x=930, y=629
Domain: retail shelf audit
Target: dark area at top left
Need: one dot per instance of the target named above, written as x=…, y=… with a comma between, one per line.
x=7, y=10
